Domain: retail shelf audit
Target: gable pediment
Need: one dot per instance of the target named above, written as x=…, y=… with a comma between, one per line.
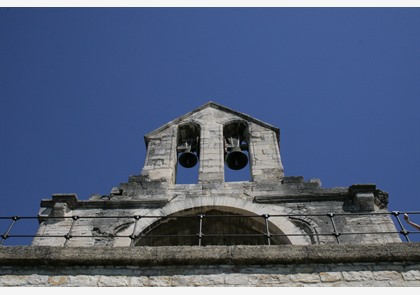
x=210, y=109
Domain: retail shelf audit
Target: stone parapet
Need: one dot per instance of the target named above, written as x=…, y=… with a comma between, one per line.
x=210, y=255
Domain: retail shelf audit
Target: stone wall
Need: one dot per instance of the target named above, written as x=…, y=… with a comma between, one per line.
x=377, y=275
x=306, y=204
x=317, y=265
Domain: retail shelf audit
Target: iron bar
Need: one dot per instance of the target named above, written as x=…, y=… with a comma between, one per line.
x=216, y=235
x=133, y=236
x=6, y=234
x=334, y=233
x=267, y=230
x=68, y=236
x=200, y=231
x=403, y=230
x=221, y=215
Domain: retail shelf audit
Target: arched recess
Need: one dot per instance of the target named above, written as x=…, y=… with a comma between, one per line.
x=188, y=153
x=236, y=148
x=235, y=205
x=211, y=225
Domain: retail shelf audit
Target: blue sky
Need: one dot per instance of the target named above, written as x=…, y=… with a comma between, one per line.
x=80, y=87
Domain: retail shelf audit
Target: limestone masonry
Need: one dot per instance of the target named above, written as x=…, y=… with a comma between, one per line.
x=273, y=230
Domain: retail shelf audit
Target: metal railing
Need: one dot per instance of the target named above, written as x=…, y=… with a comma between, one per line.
x=202, y=218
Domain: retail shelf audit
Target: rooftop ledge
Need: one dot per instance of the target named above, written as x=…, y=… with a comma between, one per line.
x=209, y=255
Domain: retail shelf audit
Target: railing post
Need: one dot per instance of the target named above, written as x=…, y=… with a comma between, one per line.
x=68, y=236
x=6, y=234
x=335, y=233
x=200, y=231
x=133, y=236
x=267, y=230
x=403, y=231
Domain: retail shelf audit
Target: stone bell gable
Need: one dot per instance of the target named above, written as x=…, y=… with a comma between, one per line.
x=207, y=129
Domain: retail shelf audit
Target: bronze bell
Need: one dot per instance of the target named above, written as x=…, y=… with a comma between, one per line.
x=187, y=159
x=236, y=159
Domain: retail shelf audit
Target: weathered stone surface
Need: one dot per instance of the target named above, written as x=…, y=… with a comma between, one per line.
x=350, y=275
x=387, y=275
x=358, y=276
x=210, y=255
x=319, y=236
x=411, y=275
x=273, y=279
x=58, y=280
x=113, y=281
x=322, y=265
x=330, y=277
x=240, y=280
x=305, y=278
x=82, y=280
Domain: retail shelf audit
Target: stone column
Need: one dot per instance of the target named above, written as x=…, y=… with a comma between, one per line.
x=211, y=154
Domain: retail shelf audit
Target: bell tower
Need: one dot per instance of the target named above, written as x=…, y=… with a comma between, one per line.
x=215, y=138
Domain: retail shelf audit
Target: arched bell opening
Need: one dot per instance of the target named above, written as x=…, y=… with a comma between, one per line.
x=188, y=153
x=207, y=226
x=236, y=150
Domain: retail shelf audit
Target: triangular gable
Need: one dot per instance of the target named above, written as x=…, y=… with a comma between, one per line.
x=217, y=106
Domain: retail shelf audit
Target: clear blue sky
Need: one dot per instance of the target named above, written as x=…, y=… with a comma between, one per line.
x=79, y=88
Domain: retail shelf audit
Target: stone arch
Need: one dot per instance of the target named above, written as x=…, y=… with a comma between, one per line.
x=233, y=205
x=189, y=132
x=188, y=138
x=235, y=125
x=237, y=156
x=308, y=226
x=211, y=226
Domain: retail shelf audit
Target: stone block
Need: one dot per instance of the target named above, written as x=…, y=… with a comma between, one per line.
x=56, y=281
x=13, y=281
x=365, y=201
x=273, y=279
x=211, y=280
x=387, y=275
x=412, y=275
x=305, y=278
x=30, y=280
x=113, y=281
x=139, y=281
x=358, y=276
x=183, y=281
x=158, y=281
x=82, y=281
x=240, y=280
x=330, y=277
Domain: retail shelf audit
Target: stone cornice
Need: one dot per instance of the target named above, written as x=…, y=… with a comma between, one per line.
x=303, y=197
x=209, y=255
x=73, y=203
